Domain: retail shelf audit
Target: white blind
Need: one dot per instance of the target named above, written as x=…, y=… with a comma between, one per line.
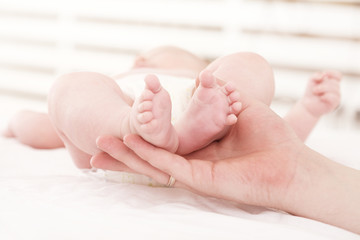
x=40, y=39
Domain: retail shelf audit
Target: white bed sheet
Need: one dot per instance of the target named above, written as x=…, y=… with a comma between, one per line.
x=43, y=196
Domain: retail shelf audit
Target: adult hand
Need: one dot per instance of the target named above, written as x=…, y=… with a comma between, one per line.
x=257, y=159
x=260, y=162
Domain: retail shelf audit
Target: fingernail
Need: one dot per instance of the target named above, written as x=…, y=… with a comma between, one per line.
x=125, y=140
x=103, y=144
x=97, y=142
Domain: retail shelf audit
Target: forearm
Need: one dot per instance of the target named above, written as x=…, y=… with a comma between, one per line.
x=301, y=120
x=325, y=191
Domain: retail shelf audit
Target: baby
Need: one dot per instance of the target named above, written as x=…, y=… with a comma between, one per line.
x=85, y=105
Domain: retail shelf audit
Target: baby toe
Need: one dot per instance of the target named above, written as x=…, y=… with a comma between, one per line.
x=229, y=88
x=145, y=117
x=145, y=106
x=231, y=119
x=152, y=83
x=234, y=97
x=146, y=95
x=206, y=79
x=236, y=108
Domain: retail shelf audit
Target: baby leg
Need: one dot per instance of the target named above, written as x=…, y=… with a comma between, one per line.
x=212, y=109
x=84, y=105
x=33, y=129
x=248, y=72
x=80, y=158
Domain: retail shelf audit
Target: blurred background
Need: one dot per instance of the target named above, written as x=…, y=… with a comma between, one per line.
x=40, y=39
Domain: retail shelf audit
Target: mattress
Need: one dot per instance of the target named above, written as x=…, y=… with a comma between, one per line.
x=43, y=196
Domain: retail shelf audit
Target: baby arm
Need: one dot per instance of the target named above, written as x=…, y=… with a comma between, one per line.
x=33, y=129
x=322, y=96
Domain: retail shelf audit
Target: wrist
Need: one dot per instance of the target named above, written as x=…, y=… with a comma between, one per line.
x=301, y=119
x=308, y=109
x=325, y=191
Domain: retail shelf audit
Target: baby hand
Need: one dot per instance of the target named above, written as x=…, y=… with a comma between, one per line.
x=322, y=93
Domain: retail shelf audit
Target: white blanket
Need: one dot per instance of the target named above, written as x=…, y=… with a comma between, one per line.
x=43, y=196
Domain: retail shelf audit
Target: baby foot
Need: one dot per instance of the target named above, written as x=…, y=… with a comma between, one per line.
x=322, y=94
x=212, y=109
x=151, y=116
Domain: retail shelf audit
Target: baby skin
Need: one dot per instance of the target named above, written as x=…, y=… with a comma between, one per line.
x=322, y=95
x=79, y=120
x=211, y=110
x=85, y=105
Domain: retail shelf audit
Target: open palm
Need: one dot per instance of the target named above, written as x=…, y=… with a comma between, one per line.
x=255, y=160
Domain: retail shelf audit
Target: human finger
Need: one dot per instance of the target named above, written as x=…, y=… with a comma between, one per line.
x=331, y=98
x=334, y=74
x=195, y=174
x=104, y=161
x=328, y=86
x=117, y=150
x=317, y=77
x=216, y=179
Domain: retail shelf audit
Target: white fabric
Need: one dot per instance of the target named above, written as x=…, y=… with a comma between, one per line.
x=43, y=196
x=179, y=88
